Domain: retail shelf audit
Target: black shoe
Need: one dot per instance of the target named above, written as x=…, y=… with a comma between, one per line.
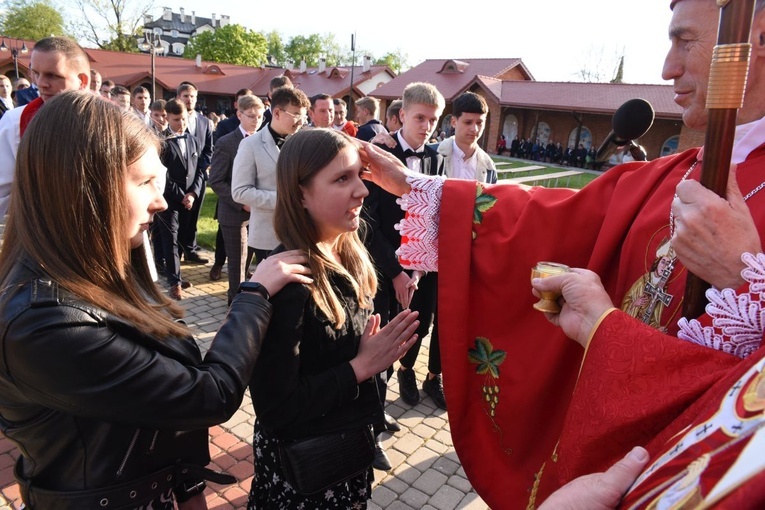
x=215, y=272
x=381, y=462
x=390, y=423
x=434, y=388
x=185, y=284
x=407, y=386
x=194, y=258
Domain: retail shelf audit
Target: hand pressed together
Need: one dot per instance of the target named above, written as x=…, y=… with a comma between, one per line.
x=380, y=348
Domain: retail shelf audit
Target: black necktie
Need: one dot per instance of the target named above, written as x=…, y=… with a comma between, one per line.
x=279, y=142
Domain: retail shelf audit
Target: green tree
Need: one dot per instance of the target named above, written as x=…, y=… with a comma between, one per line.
x=112, y=24
x=309, y=48
x=396, y=61
x=232, y=44
x=276, y=48
x=31, y=19
x=331, y=50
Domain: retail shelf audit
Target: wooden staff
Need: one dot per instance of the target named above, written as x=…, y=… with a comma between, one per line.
x=725, y=95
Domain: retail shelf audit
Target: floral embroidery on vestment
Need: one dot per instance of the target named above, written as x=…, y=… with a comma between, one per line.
x=737, y=319
x=419, y=228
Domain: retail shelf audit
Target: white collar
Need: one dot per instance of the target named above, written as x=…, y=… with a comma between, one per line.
x=748, y=137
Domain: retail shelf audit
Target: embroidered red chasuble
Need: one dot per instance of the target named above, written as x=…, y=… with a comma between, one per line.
x=508, y=373
x=713, y=452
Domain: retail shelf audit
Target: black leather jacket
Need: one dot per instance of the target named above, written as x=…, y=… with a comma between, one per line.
x=91, y=402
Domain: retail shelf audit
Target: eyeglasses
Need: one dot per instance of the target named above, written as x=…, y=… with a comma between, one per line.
x=250, y=116
x=295, y=116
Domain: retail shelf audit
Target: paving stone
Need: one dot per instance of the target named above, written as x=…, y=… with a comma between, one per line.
x=430, y=482
x=446, y=498
x=414, y=498
x=472, y=502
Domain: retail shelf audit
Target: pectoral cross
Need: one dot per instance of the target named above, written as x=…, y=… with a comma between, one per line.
x=657, y=292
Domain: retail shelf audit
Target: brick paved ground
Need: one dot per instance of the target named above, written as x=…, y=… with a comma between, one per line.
x=426, y=471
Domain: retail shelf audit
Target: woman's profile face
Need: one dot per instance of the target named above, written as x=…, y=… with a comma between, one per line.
x=144, y=184
x=334, y=196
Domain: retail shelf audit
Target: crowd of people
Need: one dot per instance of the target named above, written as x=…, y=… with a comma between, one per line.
x=552, y=152
x=614, y=401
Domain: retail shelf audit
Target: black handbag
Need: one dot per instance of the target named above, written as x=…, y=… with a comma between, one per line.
x=315, y=464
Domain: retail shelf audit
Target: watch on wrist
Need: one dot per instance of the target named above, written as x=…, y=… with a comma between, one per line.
x=257, y=288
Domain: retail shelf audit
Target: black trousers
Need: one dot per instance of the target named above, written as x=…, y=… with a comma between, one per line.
x=168, y=235
x=187, y=228
x=424, y=301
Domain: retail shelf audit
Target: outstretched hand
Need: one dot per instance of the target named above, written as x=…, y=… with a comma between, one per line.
x=711, y=232
x=599, y=491
x=380, y=348
x=384, y=169
x=276, y=271
x=583, y=301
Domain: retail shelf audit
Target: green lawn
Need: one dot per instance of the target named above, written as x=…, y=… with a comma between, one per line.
x=577, y=181
x=207, y=227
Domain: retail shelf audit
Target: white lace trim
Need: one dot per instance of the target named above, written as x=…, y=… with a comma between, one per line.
x=737, y=320
x=420, y=225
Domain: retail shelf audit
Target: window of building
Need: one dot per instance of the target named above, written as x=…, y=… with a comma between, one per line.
x=670, y=145
x=173, y=33
x=585, y=138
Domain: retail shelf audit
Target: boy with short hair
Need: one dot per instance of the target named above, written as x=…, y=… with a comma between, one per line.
x=397, y=289
x=182, y=188
x=463, y=158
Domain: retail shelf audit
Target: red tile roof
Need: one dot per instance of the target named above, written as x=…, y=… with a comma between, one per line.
x=451, y=83
x=213, y=78
x=589, y=97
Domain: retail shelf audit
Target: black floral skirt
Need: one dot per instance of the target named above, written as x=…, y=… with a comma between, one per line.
x=271, y=490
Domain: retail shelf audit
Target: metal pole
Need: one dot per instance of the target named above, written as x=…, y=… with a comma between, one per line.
x=15, y=54
x=353, y=64
x=153, y=78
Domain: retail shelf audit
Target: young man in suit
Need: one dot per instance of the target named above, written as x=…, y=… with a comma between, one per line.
x=422, y=107
x=253, y=178
x=230, y=124
x=463, y=158
x=275, y=83
x=367, y=109
x=200, y=128
x=182, y=188
x=232, y=216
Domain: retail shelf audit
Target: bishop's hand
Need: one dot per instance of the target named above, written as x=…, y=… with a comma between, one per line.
x=583, y=301
x=711, y=232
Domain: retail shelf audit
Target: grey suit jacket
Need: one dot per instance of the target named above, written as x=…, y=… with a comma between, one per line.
x=253, y=183
x=485, y=170
x=230, y=213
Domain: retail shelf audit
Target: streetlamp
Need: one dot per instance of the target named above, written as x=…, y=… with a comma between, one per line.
x=152, y=43
x=15, y=52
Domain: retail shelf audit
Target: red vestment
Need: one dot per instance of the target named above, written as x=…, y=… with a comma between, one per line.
x=508, y=373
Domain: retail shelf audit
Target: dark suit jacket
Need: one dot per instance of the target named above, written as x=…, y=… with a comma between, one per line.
x=382, y=212
x=203, y=136
x=183, y=174
x=230, y=213
x=225, y=127
x=368, y=131
x=266, y=118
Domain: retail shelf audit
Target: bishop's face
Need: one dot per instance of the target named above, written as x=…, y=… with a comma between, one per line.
x=692, y=33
